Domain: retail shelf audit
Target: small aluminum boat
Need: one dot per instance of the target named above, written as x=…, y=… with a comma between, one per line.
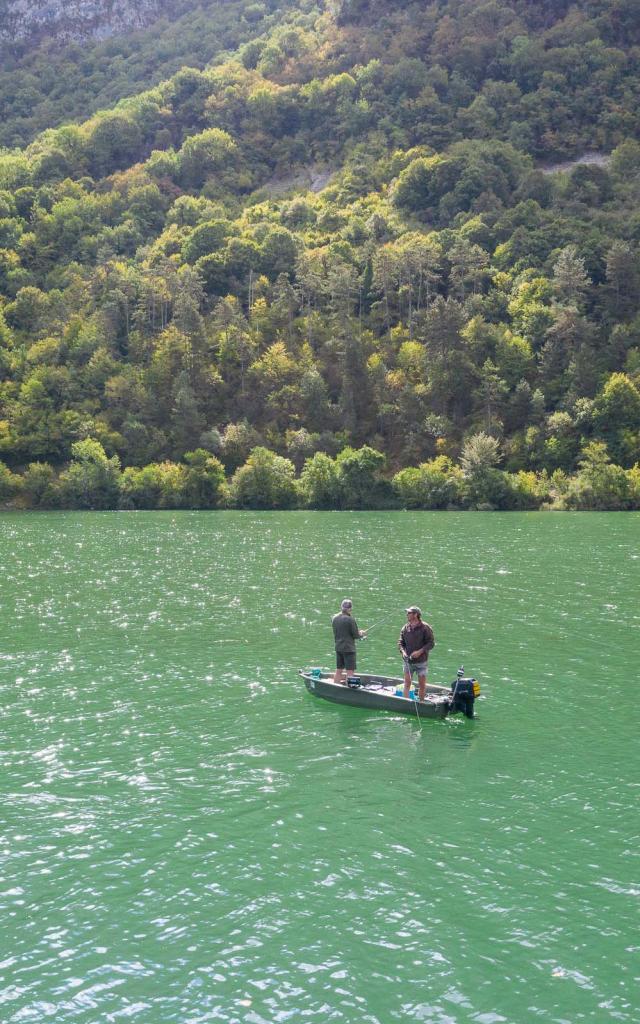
x=385, y=693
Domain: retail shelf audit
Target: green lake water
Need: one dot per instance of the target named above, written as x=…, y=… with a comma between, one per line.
x=188, y=836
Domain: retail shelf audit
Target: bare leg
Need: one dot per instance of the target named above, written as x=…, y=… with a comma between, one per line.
x=337, y=675
x=422, y=686
x=407, y=683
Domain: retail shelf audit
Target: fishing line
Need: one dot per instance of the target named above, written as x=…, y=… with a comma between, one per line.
x=378, y=623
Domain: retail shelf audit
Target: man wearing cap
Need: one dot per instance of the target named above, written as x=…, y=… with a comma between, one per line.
x=416, y=640
x=345, y=633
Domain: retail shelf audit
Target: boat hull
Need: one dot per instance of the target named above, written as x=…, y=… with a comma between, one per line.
x=377, y=693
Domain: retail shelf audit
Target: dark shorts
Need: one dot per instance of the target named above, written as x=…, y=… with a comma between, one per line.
x=347, y=661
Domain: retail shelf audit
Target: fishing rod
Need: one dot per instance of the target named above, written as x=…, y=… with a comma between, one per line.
x=417, y=713
x=378, y=623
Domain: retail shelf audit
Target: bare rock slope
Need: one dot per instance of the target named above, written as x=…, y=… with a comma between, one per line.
x=65, y=20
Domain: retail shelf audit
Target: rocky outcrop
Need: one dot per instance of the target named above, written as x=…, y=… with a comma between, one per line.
x=66, y=20
x=595, y=159
x=308, y=179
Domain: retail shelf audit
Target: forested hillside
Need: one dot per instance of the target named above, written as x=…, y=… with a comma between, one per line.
x=53, y=71
x=439, y=323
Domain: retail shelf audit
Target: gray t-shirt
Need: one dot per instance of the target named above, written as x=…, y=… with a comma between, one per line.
x=345, y=632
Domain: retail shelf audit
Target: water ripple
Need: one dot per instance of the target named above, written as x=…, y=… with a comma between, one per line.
x=188, y=836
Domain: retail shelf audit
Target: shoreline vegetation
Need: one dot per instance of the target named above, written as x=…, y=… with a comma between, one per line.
x=366, y=256
x=354, y=480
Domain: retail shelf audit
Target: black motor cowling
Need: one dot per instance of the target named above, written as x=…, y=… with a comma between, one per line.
x=463, y=696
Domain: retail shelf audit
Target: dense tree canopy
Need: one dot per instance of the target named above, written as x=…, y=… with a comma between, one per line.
x=333, y=268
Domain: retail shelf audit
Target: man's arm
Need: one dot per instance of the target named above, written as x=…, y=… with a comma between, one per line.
x=429, y=638
x=401, y=646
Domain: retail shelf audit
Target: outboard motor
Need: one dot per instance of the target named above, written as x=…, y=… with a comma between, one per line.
x=463, y=694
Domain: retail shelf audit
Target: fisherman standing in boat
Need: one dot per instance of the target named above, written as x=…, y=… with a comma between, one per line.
x=345, y=633
x=416, y=640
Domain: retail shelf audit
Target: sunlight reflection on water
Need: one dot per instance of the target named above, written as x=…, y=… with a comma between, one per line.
x=190, y=836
